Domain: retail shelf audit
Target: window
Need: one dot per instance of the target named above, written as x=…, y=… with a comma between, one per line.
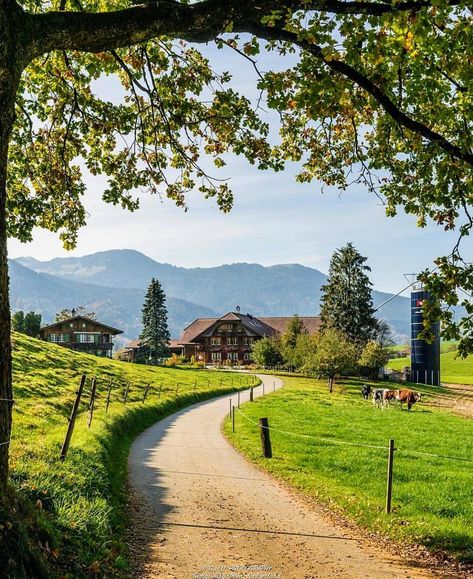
x=58, y=338
x=216, y=356
x=71, y=325
x=247, y=341
x=232, y=356
x=84, y=325
x=246, y=356
x=232, y=341
x=215, y=341
x=87, y=338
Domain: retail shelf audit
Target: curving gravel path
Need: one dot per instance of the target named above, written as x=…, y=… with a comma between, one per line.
x=200, y=510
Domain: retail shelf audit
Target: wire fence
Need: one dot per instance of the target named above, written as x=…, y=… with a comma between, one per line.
x=348, y=443
x=265, y=429
x=94, y=392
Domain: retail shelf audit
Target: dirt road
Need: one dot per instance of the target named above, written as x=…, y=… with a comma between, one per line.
x=200, y=510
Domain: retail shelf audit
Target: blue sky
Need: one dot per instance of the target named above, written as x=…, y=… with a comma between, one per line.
x=274, y=219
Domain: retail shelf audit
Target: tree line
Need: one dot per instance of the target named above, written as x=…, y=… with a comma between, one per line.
x=351, y=340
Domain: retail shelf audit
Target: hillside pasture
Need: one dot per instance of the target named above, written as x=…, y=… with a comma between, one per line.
x=77, y=509
x=453, y=370
x=333, y=448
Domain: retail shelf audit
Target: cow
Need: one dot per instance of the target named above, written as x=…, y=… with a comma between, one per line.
x=408, y=396
x=378, y=397
x=366, y=391
x=389, y=396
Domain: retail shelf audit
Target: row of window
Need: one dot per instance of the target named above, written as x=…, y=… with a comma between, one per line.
x=217, y=356
x=231, y=341
x=83, y=338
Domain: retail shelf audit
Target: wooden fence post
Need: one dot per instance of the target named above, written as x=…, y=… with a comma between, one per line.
x=263, y=388
x=265, y=438
x=251, y=394
x=231, y=406
x=93, y=394
x=195, y=384
x=72, y=419
x=160, y=389
x=389, y=486
x=109, y=393
x=177, y=388
x=238, y=400
x=233, y=418
x=125, y=396
x=145, y=395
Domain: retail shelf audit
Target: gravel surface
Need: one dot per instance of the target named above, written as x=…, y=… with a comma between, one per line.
x=200, y=510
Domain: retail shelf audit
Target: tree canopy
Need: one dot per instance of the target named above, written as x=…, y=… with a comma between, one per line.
x=379, y=94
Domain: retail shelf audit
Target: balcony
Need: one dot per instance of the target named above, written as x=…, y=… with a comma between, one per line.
x=91, y=346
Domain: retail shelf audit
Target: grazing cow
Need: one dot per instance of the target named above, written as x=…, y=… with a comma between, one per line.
x=389, y=396
x=378, y=397
x=366, y=391
x=409, y=397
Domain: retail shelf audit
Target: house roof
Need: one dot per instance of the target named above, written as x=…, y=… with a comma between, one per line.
x=311, y=323
x=175, y=344
x=133, y=345
x=263, y=326
x=111, y=329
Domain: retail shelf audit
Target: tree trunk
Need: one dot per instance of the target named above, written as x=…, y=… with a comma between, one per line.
x=330, y=383
x=12, y=59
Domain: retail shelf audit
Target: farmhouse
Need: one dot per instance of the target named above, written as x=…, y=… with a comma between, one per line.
x=81, y=334
x=229, y=339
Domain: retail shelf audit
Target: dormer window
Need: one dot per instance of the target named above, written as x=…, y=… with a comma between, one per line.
x=215, y=341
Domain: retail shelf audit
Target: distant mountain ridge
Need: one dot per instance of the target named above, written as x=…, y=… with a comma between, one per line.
x=120, y=307
x=279, y=290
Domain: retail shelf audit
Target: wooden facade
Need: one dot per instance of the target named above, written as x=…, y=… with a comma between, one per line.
x=228, y=340
x=81, y=334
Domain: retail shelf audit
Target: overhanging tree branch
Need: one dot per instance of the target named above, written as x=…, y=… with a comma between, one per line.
x=341, y=67
x=199, y=22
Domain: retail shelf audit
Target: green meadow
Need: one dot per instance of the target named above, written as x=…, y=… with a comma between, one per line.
x=315, y=438
x=69, y=518
x=452, y=369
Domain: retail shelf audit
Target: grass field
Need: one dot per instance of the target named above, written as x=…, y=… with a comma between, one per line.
x=452, y=369
x=432, y=497
x=73, y=514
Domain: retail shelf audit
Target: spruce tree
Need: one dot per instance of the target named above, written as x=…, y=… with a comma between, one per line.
x=346, y=303
x=155, y=335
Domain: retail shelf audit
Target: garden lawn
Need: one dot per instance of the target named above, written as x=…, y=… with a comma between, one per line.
x=453, y=370
x=72, y=514
x=432, y=497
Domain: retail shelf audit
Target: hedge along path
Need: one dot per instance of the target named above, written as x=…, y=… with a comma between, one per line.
x=197, y=506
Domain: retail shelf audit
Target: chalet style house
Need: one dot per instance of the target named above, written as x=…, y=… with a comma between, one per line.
x=81, y=334
x=229, y=339
x=132, y=349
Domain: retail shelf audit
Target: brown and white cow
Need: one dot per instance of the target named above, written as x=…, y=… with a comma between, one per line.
x=407, y=396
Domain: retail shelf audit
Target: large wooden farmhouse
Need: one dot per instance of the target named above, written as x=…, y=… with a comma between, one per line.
x=229, y=339
x=81, y=334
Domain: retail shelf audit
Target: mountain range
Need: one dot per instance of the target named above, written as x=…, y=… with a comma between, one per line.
x=113, y=284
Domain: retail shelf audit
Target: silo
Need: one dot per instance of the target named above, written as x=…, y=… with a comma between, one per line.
x=425, y=356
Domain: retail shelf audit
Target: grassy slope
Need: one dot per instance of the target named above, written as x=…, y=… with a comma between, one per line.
x=432, y=497
x=79, y=513
x=453, y=370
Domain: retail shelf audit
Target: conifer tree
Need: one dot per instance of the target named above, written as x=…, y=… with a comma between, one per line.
x=155, y=335
x=346, y=303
